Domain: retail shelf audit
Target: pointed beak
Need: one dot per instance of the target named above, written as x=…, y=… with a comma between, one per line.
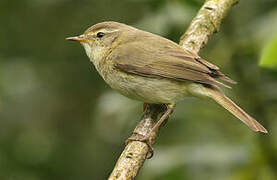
x=77, y=38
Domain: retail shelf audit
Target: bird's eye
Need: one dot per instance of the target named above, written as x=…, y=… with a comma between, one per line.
x=100, y=34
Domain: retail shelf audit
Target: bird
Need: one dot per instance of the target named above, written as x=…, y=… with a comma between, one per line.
x=155, y=70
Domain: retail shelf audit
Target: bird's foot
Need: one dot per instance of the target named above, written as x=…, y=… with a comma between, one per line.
x=146, y=139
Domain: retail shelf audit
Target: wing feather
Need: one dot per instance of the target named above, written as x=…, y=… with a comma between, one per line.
x=170, y=61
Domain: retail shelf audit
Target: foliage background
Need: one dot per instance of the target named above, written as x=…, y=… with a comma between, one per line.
x=59, y=120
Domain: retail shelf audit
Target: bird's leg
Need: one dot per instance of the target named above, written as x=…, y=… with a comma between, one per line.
x=147, y=137
x=145, y=105
x=163, y=119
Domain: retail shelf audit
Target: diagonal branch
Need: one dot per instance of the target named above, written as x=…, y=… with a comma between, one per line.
x=206, y=23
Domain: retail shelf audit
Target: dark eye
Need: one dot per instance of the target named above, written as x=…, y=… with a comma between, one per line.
x=100, y=34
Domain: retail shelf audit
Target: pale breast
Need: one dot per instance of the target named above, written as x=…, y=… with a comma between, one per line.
x=150, y=90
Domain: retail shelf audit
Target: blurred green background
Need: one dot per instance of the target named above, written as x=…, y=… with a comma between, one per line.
x=59, y=120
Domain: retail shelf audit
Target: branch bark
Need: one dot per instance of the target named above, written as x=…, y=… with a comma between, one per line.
x=206, y=23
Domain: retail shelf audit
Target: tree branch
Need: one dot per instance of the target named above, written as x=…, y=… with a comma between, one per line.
x=206, y=23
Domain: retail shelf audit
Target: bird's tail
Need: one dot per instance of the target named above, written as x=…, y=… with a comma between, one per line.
x=228, y=104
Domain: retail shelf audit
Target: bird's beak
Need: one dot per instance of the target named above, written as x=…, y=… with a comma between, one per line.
x=77, y=38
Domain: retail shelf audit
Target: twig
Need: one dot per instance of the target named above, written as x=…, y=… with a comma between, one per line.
x=201, y=28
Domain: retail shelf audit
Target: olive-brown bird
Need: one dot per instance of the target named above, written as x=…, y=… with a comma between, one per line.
x=153, y=69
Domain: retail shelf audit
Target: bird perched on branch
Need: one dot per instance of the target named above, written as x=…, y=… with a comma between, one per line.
x=153, y=69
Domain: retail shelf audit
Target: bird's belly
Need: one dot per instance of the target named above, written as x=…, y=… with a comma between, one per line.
x=149, y=90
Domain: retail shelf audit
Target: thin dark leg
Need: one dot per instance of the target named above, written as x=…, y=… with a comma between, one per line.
x=156, y=127
x=165, y=116
x=145, y=105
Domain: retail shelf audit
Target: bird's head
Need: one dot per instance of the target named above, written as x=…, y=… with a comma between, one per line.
x=100, y=37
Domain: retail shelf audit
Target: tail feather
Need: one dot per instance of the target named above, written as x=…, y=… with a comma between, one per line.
x=228, y=104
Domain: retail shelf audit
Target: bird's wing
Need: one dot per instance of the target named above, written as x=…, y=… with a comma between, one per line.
x=171, y=62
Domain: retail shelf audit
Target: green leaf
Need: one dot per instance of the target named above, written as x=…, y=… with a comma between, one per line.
x=269, y=54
